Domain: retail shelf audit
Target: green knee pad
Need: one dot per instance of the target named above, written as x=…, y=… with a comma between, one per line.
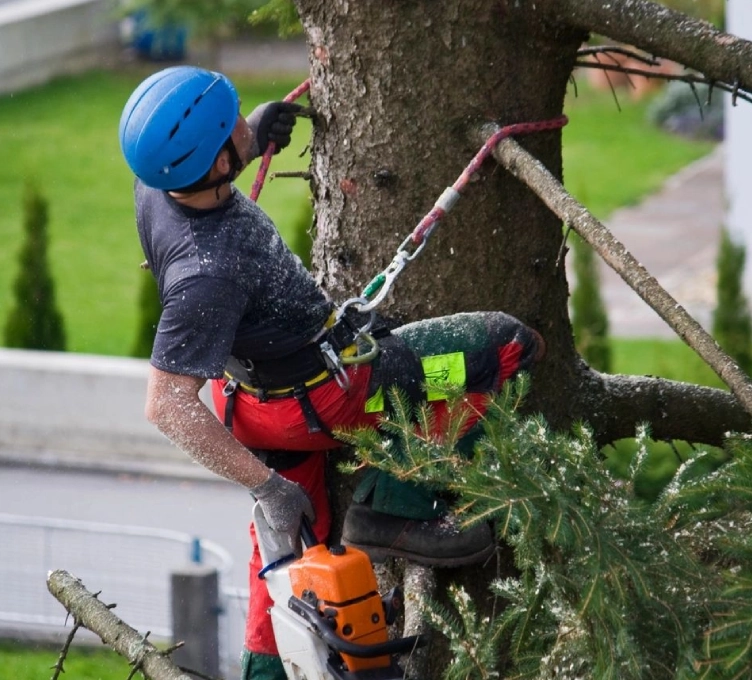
x=256, y=666
x=400, y=499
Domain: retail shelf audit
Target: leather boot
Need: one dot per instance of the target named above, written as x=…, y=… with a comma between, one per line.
x=437, y=543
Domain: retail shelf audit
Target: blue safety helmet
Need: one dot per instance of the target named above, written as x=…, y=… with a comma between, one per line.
x=175, y=123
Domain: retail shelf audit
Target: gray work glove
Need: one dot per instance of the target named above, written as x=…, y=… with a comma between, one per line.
x=284, y=503
x=272, y=122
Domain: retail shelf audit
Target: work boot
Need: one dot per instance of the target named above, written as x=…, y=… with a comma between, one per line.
x=437, y=543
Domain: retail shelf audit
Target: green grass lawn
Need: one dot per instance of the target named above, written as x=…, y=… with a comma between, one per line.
x=666, y=358
x=31, y=662
x=613, y=157
x=63, y=136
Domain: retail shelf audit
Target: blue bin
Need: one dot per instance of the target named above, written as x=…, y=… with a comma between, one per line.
x=166, y=43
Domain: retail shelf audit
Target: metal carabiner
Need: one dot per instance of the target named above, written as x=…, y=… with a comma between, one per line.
x=334, y=362
x=390, y=274
x=361, y=301
x=366, y=357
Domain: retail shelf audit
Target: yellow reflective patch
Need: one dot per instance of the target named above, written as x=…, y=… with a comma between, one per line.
x=442, y=370
x=375, y=404
x=439, y=371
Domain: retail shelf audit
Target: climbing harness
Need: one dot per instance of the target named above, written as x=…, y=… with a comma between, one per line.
x=296, y=374
x=342, y=333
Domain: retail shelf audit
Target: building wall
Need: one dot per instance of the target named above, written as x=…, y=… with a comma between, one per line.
x=40, y=39
x=738, y=146
x=77, y=409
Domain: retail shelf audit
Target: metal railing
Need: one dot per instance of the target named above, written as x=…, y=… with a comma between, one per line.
x=131, y=566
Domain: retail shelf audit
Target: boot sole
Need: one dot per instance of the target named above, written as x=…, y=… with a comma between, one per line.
x=379, y=554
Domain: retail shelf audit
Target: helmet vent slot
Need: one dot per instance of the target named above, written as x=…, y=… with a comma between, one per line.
x=182, y=158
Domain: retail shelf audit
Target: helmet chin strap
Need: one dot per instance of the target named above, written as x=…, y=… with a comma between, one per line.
x=236, y=165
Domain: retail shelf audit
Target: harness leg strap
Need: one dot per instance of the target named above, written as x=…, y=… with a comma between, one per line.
x=230, y=391
x=309, y=413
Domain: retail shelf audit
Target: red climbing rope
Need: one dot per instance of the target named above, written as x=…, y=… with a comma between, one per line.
x=447, y=199
x=379, y=286
x=266, y=159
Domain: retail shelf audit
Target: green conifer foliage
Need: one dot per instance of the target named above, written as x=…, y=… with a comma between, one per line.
x=34, y=321
x=589, y=318
x=732, y=326
x=610, y=586
x=150, y=310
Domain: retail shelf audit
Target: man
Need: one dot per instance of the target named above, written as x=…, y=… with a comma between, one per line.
x=240, y=309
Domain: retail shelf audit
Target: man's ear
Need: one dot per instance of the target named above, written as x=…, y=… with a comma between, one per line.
x=222, y=162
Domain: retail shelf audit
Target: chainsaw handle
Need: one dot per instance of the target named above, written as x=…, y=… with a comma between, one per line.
x=361, y=651
x=306, y=532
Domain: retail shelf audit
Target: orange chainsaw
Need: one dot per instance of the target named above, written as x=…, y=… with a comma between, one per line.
x=330, y=622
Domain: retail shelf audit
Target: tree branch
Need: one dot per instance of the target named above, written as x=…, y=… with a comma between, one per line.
x=610, y=50
x=97, y=617
x=298, y=174
x=536, y=176
x=59, y=664
x=613, y=404
x=689, y=78
x=656, y=29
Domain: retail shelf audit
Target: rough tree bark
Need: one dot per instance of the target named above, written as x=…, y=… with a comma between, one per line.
x=400, y=89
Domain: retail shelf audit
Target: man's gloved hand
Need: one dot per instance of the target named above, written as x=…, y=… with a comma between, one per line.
x=272, y=122
x=284, y=503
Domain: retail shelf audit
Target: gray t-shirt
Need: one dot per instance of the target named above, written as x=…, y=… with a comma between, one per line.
x=228, y=284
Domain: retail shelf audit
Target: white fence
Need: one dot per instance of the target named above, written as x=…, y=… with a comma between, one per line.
x=131, y=566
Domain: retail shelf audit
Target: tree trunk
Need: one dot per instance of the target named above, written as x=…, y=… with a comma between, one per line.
x=399, y=88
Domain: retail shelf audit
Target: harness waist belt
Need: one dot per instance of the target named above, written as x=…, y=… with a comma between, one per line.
x=279, y=377
x=307, y=367
x=294, y=369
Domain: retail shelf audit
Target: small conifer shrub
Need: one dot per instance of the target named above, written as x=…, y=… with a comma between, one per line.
x=732, y=327
x=589, y=317
x=607, y=584
x=34, y=321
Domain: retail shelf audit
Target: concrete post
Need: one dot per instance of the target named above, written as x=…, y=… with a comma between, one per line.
x=195, y=618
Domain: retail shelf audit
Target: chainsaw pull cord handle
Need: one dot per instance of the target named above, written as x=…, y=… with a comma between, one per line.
x=309, y=539
x=306, y=532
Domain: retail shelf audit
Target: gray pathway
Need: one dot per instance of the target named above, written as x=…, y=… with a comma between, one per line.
x=674, y=234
